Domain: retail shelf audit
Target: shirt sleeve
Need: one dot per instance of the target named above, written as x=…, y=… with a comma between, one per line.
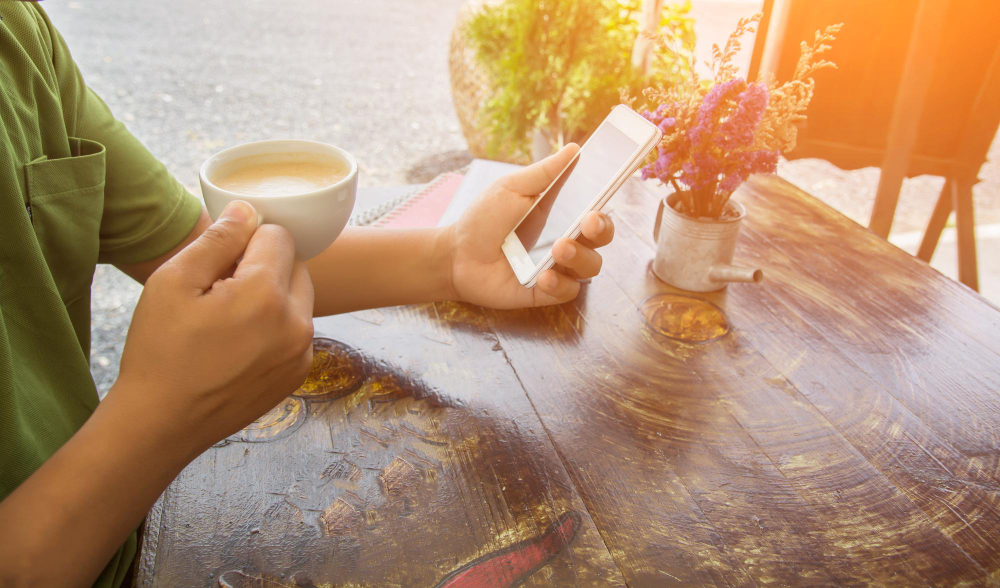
x=147, y=212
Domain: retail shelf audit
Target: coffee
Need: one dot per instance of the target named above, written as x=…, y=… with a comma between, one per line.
x=280, y=174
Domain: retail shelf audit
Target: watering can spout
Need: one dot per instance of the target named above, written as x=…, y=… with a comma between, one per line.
x=732, y=273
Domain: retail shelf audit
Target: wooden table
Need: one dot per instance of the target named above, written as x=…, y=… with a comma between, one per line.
x=843, y=429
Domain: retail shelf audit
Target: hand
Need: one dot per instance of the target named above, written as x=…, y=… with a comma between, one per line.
x=222, y=332
x=480, y=271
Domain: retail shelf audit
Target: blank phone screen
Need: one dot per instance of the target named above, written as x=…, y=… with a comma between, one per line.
x=577, y=187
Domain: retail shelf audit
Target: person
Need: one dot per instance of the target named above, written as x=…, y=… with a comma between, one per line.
x=222, y=331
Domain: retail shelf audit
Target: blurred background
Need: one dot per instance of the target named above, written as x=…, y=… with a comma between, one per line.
x=191, y=78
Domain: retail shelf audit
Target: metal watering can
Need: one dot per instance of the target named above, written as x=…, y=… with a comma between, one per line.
x=697, y=254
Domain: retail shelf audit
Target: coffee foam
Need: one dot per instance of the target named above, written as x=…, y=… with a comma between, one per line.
x=280, y=174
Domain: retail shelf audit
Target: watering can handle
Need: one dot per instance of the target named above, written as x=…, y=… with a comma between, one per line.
x=659, y=218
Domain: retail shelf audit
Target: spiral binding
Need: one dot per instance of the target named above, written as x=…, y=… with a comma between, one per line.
x=387, y=210
x=369, y=216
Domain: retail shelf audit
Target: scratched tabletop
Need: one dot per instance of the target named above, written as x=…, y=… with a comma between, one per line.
x=836, y=424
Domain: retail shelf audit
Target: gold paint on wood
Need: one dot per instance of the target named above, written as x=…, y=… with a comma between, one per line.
x=398, y=477
x=341, y=470
x=276, y=423
x=340, y=518
x=238, y=579
x=337, y=370
x=684, y=318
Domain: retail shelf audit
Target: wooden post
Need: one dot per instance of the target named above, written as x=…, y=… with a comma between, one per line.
x=774, y=32
x=928, y=29
x=761, y=37
x=977, y=137
x=961, y=194
x=642, y=49
x=939, y=218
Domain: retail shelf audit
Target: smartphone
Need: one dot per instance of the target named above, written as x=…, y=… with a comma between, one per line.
x=612, y=154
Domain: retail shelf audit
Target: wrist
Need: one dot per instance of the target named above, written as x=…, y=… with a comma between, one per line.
x=126, y=415
x=444, y=262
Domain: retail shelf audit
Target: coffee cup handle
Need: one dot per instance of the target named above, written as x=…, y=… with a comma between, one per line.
x=659, y=218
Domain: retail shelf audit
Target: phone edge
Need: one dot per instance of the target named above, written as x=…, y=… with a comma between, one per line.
x=574, y=230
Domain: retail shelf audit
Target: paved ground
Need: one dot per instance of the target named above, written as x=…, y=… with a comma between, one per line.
x=190, y=78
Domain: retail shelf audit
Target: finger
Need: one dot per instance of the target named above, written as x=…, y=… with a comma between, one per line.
x=305, y=365
x=300, y=302
x=271, y=253
x=301, y=292
x=212, y=255
x=553, y=287
x=582, y=261
x=568, y=272
x=535, y=178
x=597, y=230
x=511, y=196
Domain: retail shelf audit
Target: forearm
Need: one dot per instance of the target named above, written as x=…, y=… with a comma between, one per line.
x=371, y=268
x=64, y=523
x=364, y=268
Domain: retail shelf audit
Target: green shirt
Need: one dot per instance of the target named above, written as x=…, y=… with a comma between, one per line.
x=76, y=189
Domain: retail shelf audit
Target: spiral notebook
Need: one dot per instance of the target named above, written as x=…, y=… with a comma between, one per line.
x=438, y=203
x=425, y=207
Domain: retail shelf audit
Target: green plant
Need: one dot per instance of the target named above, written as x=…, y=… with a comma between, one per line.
x=557, y=65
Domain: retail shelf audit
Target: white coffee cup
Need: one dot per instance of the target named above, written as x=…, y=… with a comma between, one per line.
x=314, y=219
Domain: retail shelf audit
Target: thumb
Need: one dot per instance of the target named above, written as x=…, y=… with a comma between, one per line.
x=211, y=256
x=517, y=190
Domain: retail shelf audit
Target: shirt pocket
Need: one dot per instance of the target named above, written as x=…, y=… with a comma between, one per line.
x=65, y=203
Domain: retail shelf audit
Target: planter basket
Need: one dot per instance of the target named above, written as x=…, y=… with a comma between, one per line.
x=470, y=87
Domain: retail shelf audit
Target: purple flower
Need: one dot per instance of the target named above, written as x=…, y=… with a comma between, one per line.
x=741, y=164
x=701, y=172
x=713, y=155
x=707, y=115
x=662, y=164
x=738, y=129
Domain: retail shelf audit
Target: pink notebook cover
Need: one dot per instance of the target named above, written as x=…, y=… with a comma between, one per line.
x=426, y=207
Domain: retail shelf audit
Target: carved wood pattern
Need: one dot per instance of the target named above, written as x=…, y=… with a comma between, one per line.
x=838, y=423
x=397, y=483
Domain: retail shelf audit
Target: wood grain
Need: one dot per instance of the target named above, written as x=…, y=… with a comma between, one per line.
x=840, y=426
x=835, y=334
x=814, y=415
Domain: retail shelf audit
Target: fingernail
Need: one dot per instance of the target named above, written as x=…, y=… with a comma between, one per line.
x=569, y=250
x=238, y=211
x=601, y=223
